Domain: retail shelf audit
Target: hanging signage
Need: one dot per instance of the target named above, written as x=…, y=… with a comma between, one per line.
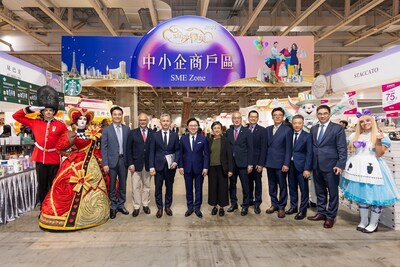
x=183, y=51
x=188, y=51
x=391, y=97
x=352, y=103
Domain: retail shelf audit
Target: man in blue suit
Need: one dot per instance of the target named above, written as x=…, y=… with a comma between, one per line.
x=277, y=160
x=114, y=151
x=299, y=169
x=139, y=145
x=255, y=177
x=193, y=164
x=242, y=148
x=329, y=160
x=163, y=160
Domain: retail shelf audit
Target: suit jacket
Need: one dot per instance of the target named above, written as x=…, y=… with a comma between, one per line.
x=138, y=154
x=242, y=148
x=258, y=145
x=194, y=161
x=278, y=146
x=226, y=154
x=110, y=146
x=302, y=152
x=332, y=151
x=158, y=151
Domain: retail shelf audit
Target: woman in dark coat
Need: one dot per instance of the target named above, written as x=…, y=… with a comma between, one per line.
x=221, y=167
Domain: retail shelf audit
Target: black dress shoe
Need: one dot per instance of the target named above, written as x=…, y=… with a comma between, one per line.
x=300, y=215
x=168, y=211
x=198, y=213
x=313, y=205
x=159, y=213
x=221, y=212
x=135, y=212
x=214, y=211
x=123, y=211
x=113, y=214
x=244, y=211
x=146, y=209
x=232, y=208
x=291, y=211
x=317, y=217
x=257, y=209
x=271, y=209
x=188, y=213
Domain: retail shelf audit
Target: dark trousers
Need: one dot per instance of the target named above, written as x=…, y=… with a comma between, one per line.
x=217, y=187
x=168, y=176
x=198, y=188
x=244, y=180
x=45, y=174
x=120, y=171
x=277, y=178
x=326, y=182
x=296, y=180
x=255, y=187
x=275, y=64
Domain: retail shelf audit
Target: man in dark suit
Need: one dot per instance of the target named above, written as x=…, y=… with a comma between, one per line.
x=278, y=153
x=193, y=164
x=114, y=148
x=329, y=160
x=255, y=177
x=163, y=158
x=138, y=157
x=299, y=169
x=242, y=148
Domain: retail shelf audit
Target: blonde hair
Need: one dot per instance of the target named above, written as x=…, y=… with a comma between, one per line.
x=374, y=131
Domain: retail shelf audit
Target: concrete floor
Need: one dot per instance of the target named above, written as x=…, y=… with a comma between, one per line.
x=233, y=240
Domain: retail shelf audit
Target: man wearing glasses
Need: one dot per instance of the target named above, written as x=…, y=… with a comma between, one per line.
x=330, y=154
x=279, y=138
x=242, y=147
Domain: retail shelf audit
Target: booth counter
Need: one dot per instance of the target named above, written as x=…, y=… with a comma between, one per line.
x=17, y=195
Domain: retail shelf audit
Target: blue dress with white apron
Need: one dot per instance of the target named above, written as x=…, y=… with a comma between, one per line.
x=367, y=179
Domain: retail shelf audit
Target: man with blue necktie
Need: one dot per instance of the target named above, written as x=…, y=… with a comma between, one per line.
x=193, y=165
x=114, y=148
x=329, y=160
x=299, y=169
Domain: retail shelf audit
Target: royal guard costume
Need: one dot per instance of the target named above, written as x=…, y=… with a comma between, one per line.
x=47, y=133
x=78, y=198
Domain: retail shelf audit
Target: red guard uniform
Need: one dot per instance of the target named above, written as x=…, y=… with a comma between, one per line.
x=47, y=134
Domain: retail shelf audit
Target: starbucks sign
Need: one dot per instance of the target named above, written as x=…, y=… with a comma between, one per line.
x=72, y=87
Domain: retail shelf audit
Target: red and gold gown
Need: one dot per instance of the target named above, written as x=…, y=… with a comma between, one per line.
x=78, y=197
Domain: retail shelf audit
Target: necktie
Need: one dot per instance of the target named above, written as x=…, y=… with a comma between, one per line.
x=192, y=142
x=274, y=130
x=295, y=138
x=236, y=134
x=252, y=128
x=165, y=139
x=321, y=134
x=144, y=135
x=119, y=136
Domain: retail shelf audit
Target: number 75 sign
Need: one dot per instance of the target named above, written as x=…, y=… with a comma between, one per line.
x=391, y=96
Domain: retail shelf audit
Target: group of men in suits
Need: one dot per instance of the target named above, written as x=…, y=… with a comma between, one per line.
x=289, y=155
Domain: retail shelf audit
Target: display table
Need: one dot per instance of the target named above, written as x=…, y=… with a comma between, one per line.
x=18, y=195
x=390, y=215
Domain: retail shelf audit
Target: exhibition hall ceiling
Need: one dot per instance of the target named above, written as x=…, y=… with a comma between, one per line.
x=32, y=30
